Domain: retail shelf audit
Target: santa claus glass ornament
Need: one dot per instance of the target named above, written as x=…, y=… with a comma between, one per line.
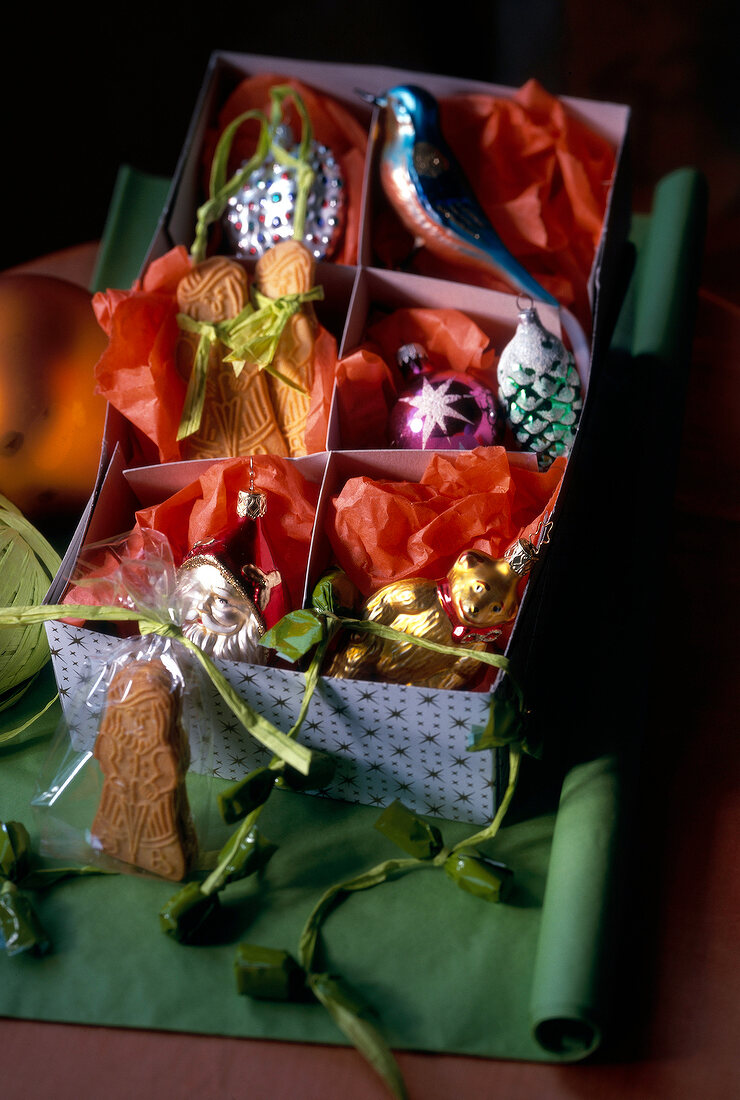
x=441, y=409
x=228, y=589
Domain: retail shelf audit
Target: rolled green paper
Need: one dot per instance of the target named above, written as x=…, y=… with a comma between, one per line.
x=567, y=999
x=668, y=270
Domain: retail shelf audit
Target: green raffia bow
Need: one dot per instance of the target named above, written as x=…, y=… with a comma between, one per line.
x=254, y=334
x=209, y=334
x=257, y=338
x=280, y=744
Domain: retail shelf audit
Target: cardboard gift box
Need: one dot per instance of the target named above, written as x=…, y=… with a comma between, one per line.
x=381, y=733
x=390, y=741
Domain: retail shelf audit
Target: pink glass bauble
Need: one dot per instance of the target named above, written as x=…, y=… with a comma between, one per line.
x=442, y=409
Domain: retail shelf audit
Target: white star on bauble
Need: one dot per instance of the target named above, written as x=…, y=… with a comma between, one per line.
x=434, y=405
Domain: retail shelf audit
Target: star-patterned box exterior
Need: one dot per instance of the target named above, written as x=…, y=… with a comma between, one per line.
x=389, y=743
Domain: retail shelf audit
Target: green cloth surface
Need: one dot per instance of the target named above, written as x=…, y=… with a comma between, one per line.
x=445, y=970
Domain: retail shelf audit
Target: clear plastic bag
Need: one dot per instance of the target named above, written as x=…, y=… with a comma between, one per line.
x=126, y=785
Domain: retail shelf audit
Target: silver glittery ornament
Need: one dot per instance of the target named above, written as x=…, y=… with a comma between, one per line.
x=261, y=212
x=539, y=389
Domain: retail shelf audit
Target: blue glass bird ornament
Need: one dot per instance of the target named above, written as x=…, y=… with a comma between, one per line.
x=428, y=189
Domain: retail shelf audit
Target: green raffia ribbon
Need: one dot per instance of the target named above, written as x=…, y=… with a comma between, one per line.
x=28, y=565
x=221, y=189
x=506, y=721
x=188, y=911
x=349, y=1014
x=20, y=928
x=246, y=851
x=257, y=338
x=299, y=631
x=268, y=974
x=254, y=334
x=294, y=636
x=295, y=755
x=468, y=868
x=300, y=164
x=418, y=836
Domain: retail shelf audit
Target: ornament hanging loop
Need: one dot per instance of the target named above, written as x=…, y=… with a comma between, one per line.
x=301, y=162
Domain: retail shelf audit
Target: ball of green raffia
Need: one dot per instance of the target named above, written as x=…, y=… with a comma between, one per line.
x=27, y=566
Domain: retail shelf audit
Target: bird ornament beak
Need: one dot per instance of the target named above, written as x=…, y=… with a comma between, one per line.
x=368, y=97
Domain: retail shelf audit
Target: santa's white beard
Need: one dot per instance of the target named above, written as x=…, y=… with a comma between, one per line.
x=242, y=645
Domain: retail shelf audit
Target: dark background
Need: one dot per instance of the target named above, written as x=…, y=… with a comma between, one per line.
x=88, y=91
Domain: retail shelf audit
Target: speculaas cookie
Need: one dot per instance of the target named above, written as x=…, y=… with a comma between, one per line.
x=143, y=817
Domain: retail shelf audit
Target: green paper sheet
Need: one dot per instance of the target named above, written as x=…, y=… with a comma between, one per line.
x=445, y=970
x=135, y=208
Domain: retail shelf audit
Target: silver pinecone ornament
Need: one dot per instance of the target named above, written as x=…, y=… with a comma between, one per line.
x=539, y=389
x=261, y=212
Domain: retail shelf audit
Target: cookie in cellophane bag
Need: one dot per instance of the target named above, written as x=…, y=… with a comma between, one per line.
x=127, y=785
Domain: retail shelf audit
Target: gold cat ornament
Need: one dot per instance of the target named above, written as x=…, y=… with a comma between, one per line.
x=467, y=608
